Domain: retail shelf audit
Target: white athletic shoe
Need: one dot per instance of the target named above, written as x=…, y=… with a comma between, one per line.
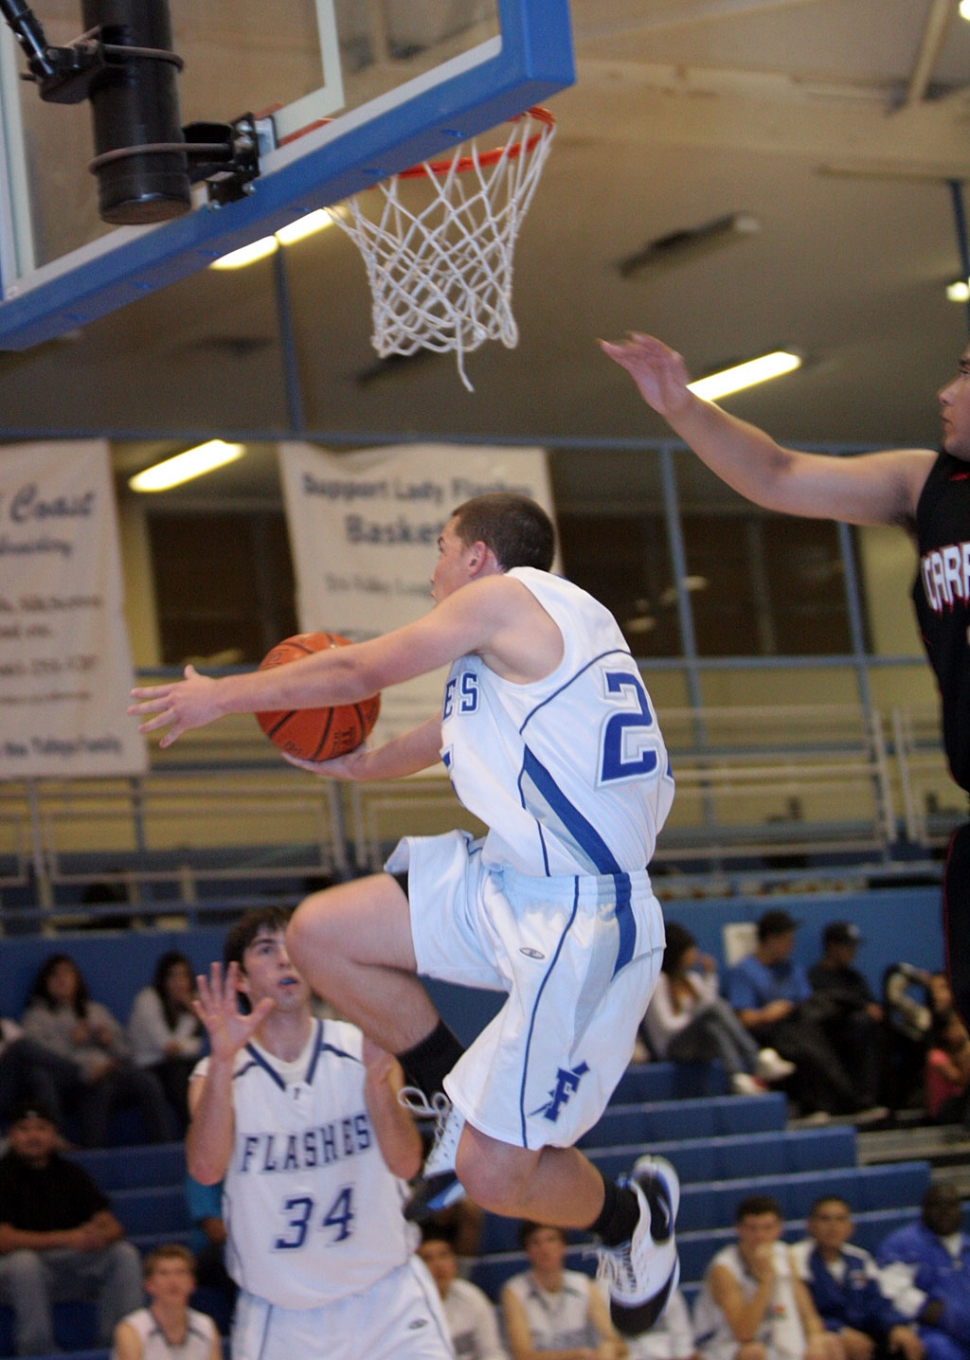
x=436, y=1186
x=742, y=1084
x=771, y=1066
x=644, y=1272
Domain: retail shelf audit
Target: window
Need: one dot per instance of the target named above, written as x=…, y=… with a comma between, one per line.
x=224, y=585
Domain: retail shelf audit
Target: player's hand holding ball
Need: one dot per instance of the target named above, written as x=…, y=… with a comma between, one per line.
x=312, y=737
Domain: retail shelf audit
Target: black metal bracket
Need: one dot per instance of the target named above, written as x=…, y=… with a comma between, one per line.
x=225, y=156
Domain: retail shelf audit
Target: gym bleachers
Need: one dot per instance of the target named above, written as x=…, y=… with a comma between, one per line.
x=724, y=1148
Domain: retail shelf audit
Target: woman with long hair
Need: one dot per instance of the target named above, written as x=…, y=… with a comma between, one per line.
x=165, y=1035
x=61, y=1016
x=688, y=1021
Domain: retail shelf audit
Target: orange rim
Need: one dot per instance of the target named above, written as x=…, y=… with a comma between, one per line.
x=464, y=163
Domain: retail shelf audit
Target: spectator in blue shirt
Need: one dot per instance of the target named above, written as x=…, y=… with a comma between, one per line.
x=925, y=1270
x=845, y=1287
x=207, y=1243
x=773, y=999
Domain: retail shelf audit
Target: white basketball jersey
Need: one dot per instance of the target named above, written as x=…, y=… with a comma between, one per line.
x=199, y=1336
x=570, y=774
x=312, y=1212
x=558, y=1322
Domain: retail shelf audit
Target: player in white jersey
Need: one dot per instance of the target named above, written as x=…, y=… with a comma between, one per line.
x=549, y=736
x=299, y=1118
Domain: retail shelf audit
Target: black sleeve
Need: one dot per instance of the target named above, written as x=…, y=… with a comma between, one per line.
x=82, y=1193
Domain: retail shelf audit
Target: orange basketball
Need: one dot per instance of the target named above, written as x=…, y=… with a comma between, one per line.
x=316, y=733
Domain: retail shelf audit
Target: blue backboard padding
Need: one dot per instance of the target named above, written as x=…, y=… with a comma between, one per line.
x=536, y=60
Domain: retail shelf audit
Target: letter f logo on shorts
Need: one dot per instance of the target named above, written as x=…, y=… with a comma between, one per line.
x=566, y=1083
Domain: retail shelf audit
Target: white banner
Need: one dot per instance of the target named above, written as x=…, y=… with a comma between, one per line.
x=364, y=530
x=65, y=668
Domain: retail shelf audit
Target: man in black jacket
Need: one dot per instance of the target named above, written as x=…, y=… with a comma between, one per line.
x=59, y=1239
x=854, y=1025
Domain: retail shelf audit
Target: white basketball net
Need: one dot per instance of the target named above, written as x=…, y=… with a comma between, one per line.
x=441, y=276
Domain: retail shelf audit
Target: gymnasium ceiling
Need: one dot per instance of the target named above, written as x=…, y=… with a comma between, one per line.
x=835, y=123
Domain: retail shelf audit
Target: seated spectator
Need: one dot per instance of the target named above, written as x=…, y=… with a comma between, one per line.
x=855, y=1024
x=164, y=1032
x=907, y=1020
x=168, y=1329
x=208, y=1244
x=670, y=1338
x=553, y=1313
x=28, y=1071
x=752, y=1305
x=59, y=1239
x=845, y=1287
x=773, y=1000
x=462, y=1224
x=925, y=1271
x=471, y=1318
x=688, y=1021
x=63, y=1018
x=948, y=1070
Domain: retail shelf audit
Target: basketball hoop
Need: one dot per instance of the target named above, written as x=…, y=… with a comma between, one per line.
x=441, y=275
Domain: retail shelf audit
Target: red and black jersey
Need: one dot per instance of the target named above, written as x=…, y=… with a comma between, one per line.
x=941, y=593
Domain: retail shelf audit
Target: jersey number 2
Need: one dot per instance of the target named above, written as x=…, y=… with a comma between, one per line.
x=340, y=1215
x=634, y=728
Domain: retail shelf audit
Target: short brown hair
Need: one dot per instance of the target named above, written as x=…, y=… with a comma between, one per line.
x=242, y=934
x=168, y=1251
x=756, y=1205
x=528, y=1230
x=517, y=529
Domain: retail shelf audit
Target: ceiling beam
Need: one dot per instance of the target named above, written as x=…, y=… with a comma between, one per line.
x=934, y=36
x=679, y=16
x=839, y=126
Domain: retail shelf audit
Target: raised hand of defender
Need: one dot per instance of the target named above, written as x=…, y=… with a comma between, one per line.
x=658, y=371
x=180, y=705
x=217, y=1007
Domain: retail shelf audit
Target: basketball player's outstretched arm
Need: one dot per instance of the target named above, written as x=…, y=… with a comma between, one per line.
x=208, y=1142
x=496, y=617
x=875, y=488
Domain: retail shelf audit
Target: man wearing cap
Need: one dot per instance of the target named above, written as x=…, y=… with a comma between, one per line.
x=773, y=999
x=59, y=1239
x=855, y=1026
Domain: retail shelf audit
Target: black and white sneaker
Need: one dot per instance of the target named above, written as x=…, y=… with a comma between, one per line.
x=644, y=1272
x=437, y=1186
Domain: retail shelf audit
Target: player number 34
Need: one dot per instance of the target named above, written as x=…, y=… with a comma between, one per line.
x=300, y=1219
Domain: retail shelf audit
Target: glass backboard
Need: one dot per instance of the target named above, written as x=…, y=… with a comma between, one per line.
x=356, y=89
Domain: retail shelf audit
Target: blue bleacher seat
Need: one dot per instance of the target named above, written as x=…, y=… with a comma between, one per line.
x=676, y=1120
x=669, y=1081
x=155, y=1210
x=132, y=1167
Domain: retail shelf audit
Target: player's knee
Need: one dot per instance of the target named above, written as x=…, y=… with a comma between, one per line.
x=310, y=931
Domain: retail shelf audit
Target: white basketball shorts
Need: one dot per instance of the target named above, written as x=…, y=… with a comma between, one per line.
x=398, y=1318
x=579, y=958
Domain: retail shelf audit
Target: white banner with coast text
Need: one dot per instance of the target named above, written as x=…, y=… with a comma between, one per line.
x=364, y=528
x=65, y=668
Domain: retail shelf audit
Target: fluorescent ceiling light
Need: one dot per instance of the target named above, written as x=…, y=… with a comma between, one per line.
x=266, y=245
x=305, y=226
x=184, y=466
x=965, y=9
x=237, y=259
x=959, y=289
x=738, y=377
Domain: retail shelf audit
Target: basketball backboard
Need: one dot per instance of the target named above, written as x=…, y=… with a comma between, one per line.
x=398, y=80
